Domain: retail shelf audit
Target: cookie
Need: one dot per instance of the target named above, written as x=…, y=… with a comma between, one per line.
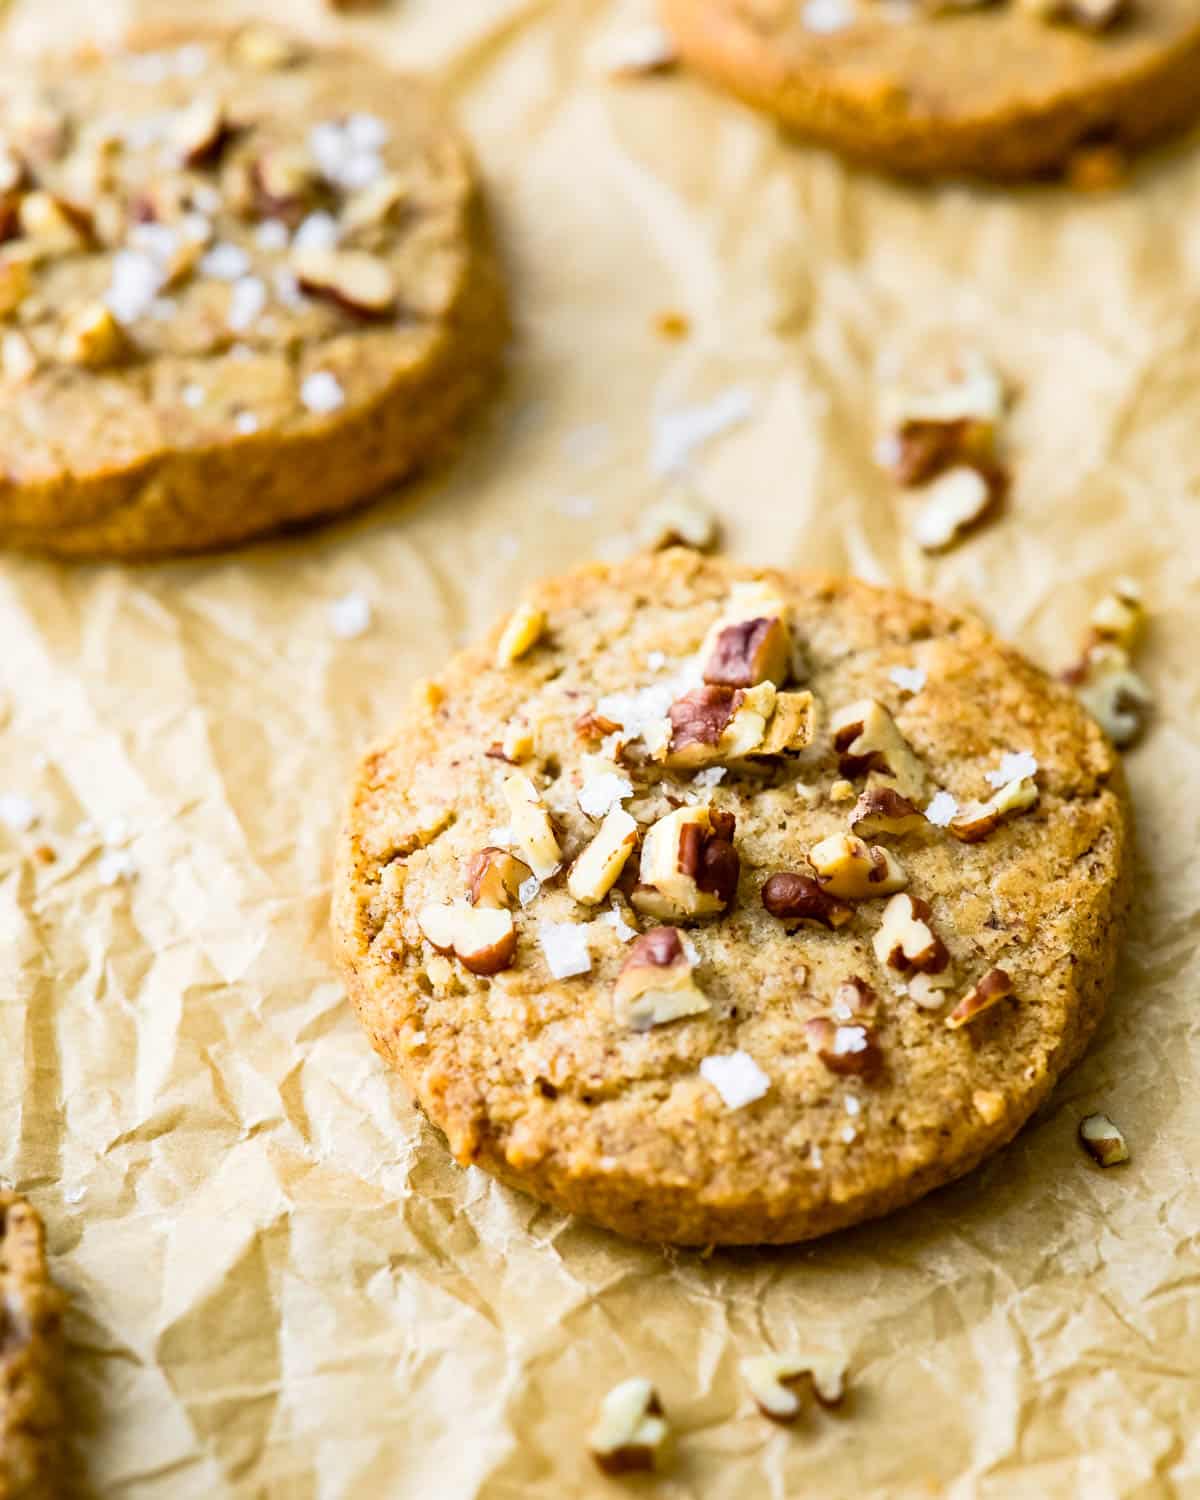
x=726, y=906
x=31, y=1312
x=990, y=90
x=244, y=283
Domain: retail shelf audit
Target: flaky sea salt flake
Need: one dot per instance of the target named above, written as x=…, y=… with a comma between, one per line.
x=736, y=1077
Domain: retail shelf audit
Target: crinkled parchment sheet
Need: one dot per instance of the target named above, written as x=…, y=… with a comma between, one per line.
x=281, y=1286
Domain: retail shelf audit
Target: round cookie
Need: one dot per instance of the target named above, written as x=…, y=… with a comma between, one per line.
x=244, y=283
x=992, y=90
x=735, y=1074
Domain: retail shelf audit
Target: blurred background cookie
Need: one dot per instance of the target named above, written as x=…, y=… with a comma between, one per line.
x=244, y=283
x=952, y=86
x=31, y=1312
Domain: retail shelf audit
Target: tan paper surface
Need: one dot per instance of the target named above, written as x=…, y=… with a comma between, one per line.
x=281, y=1286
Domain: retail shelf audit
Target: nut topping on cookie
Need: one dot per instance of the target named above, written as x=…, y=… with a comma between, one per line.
x=792, y=726
x=495, y=877
x=533, y=831
x=1120, y=617
x=782, y=1385
x=655, y=984
x=946, y=423
x=847, y=1048
x=358, y=282
x=54, y=225
x=749, y=652
x=994, y=987
x=92, y=336
x=867, y=738
x=631, y=1434
x=712, y=724
x=596, y=870
x=850, y=869
x=881, y=809
x=1091, y=15
x=688, y=857
x=854, y=1000
x=977, y=820
x=201, y=132
x=524, y=630
x=482, y=938
x=799, y=898
x=1103, y=1142
x=906, y=940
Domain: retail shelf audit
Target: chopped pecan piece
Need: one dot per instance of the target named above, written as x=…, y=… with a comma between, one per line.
x=749, y=652
x=881, y=809
x=655, y=984
x=906, y=940
x=799, y=898
x=850, y=869
x=994, y=987
x=848, y=1048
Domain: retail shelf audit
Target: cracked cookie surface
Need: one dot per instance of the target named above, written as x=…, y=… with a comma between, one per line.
x=244, y=283
x=987, y=89
x=754, y=986
x=31, y=1311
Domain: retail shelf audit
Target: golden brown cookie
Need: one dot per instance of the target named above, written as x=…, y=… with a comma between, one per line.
x=724, y=906
x=31, y=1312
x=987, y=89
x=243, y=284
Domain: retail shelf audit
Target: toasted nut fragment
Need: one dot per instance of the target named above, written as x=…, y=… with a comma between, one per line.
x=533, y=831
x=260, y=47
x=16, y=282
x=847, y=1048
x=953, y=503
x=482, y=938
x=495, y=877
x=676, y=522
x=989, y=1105
x=854, y=1000
x=1091, y=15
x=596, y=870
x=714, y=724
x=523, y=631
x=1102, y=1141
x=799, y=898
x=373, y=207
x=18, y=362
x=356, y=281
x=93, y=337
x=201, y=132
x=793, y=725
x=53, y=225
x=518, y=743
x=841, y=791
x=655, y=984
x=978, y=819
x=922, y=450
x=749, y=652
x=1114, y=694
x=929, y=990
x=881, y=809
x=689, y=859
x=995, y=986
x=1120, y=617
x=970, y=391
x=631, y=1433
x=592, y=726
x=906, y=939
x=283, y=183
x=848, y=868
x=867, y=738
x=783, y=1384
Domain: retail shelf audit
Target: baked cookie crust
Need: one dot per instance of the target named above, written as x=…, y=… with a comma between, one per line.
x=991, y=91
x=558, y=1085
x=244, y=283
x=31, y=1312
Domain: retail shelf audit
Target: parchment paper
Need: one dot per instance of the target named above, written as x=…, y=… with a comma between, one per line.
x=281, y=1286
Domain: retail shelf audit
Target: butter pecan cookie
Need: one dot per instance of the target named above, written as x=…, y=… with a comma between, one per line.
x=244, y=283
x=724, y=906
x=1008, y=89
x=31, y=1312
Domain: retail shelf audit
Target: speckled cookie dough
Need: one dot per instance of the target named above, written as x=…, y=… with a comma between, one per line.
x=31, y=1311
x=243, y=284
x=1012, y=89
x=725, y=906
